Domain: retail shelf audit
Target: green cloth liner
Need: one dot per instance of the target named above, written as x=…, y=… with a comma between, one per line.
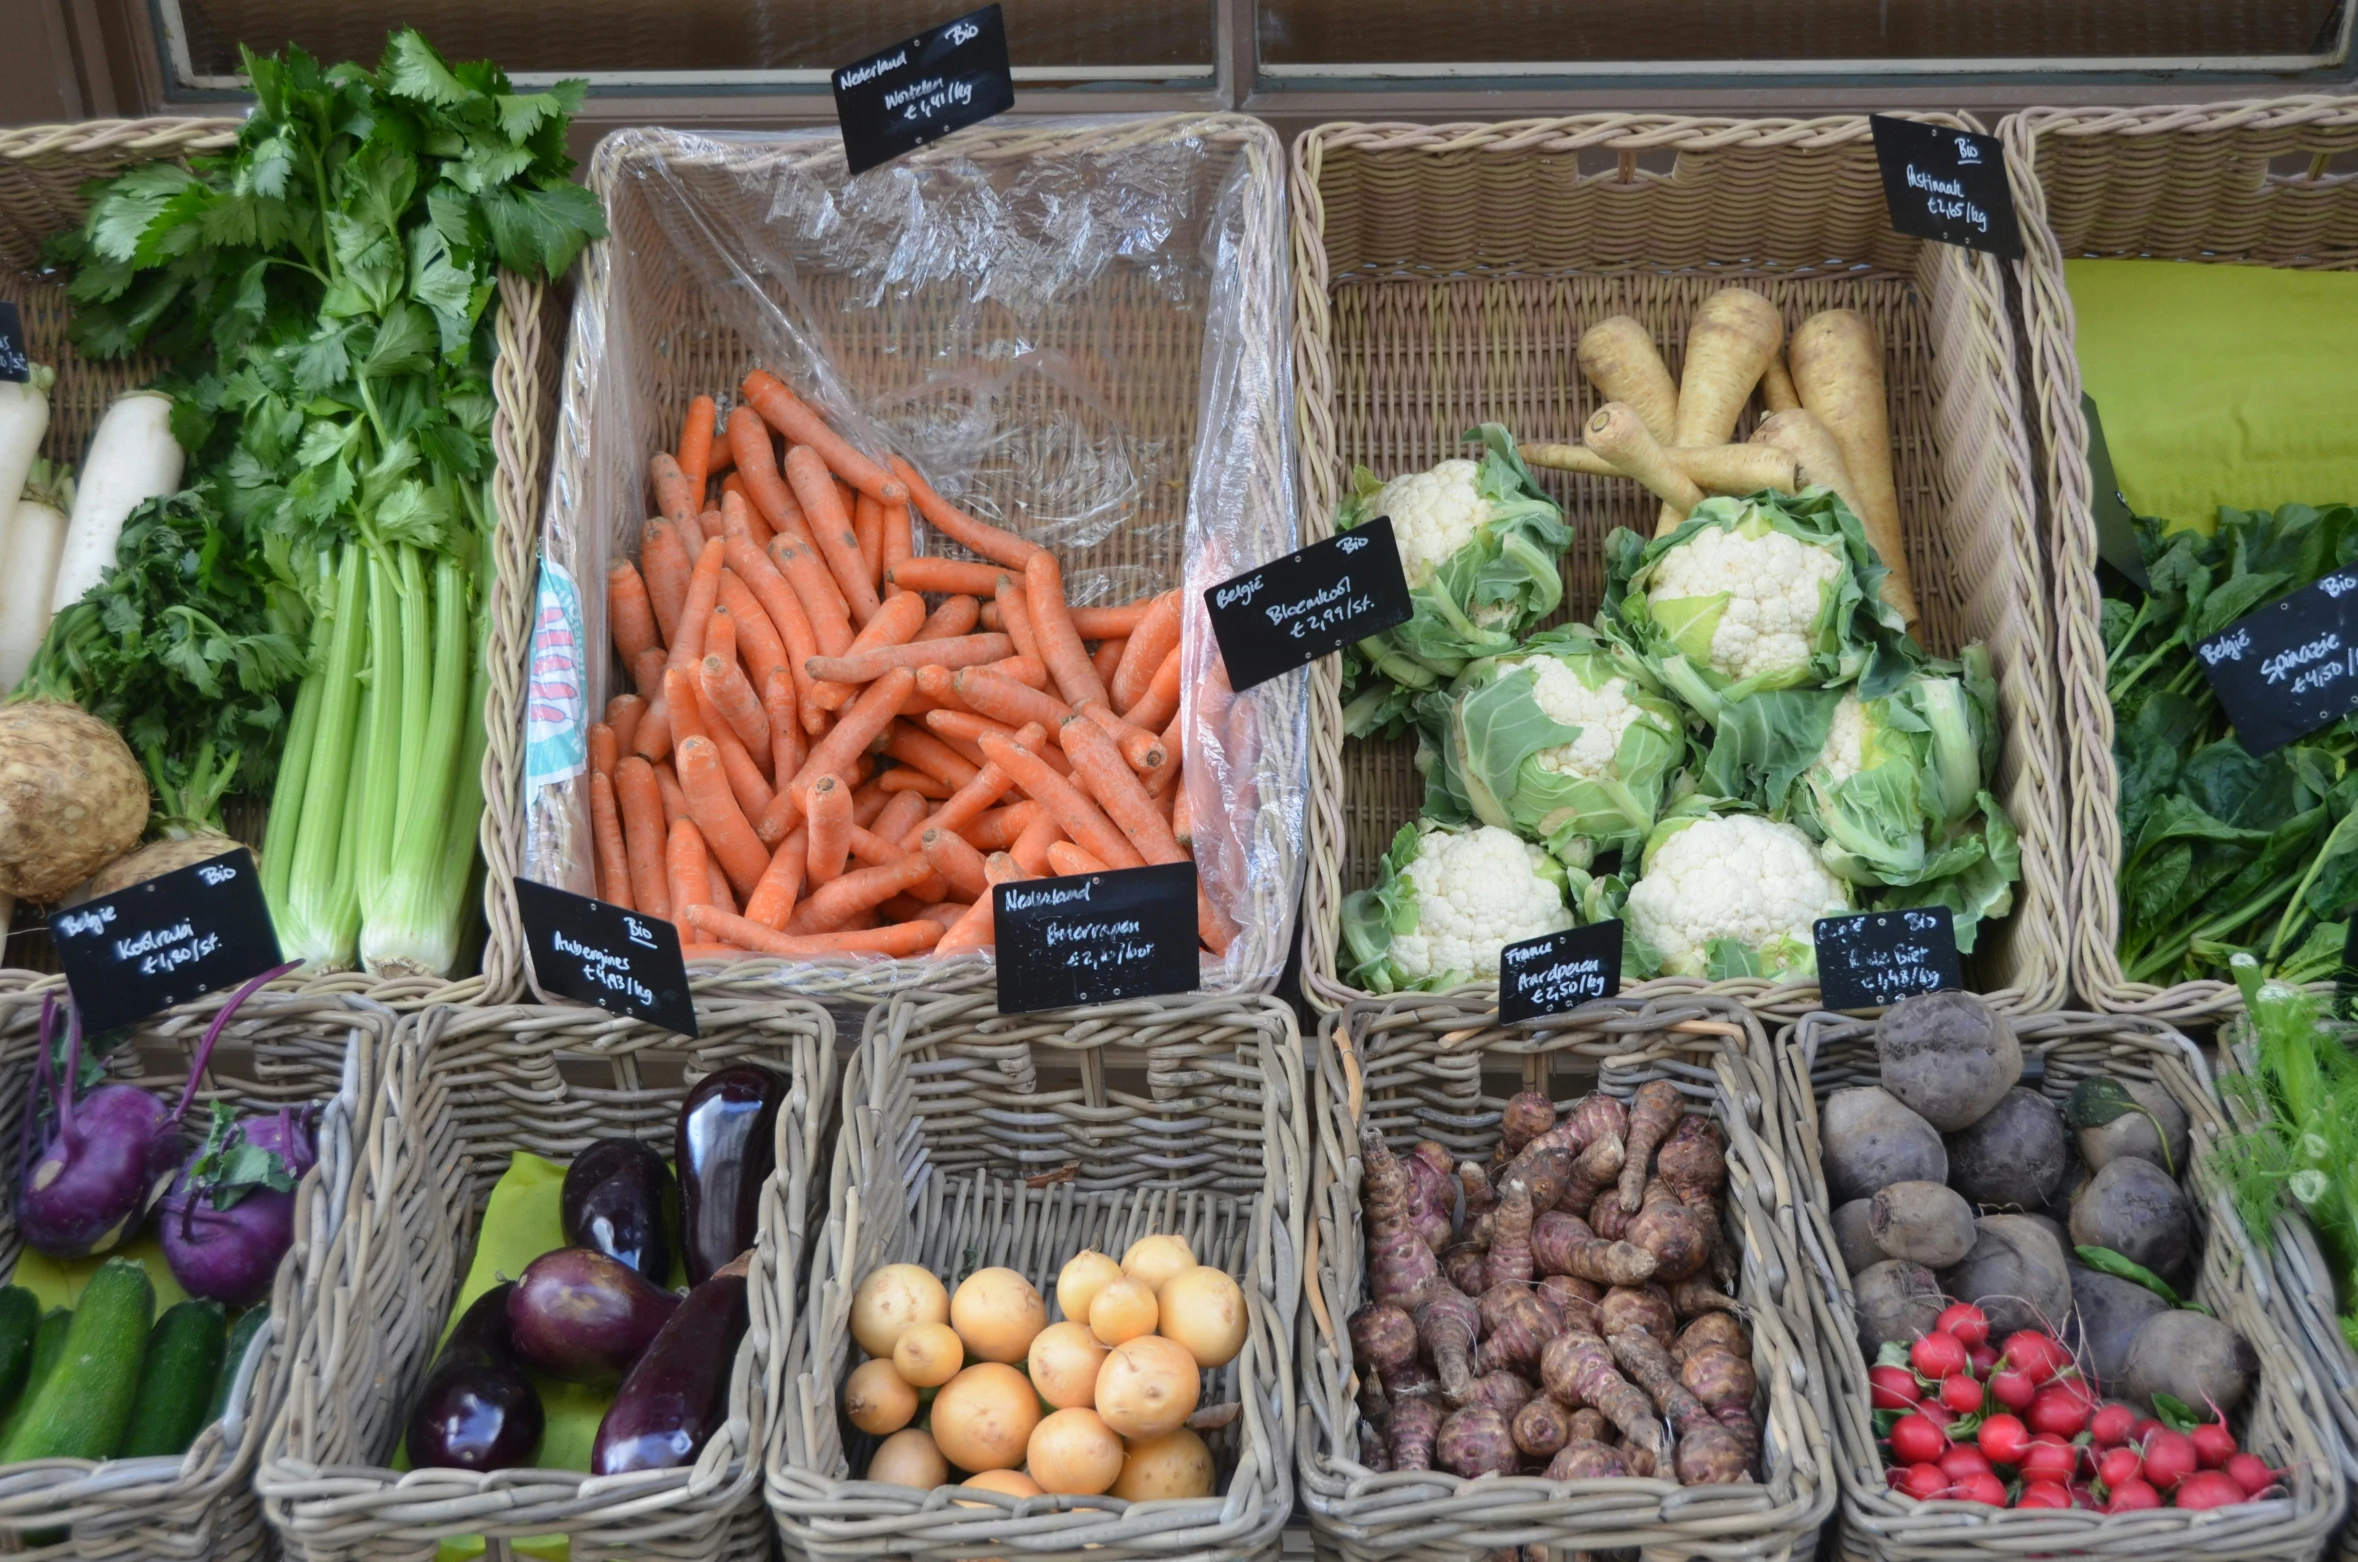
x=2221, y=384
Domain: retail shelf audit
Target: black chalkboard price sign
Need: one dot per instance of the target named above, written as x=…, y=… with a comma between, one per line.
x=621, y=961
x=2289, y=668
x=1095, y=937
x=1946, y=185
x=141, y=950
x=922, y=88
x=1548, y=975
x=1289, y=612
x=15, y=363
x=1879, y=957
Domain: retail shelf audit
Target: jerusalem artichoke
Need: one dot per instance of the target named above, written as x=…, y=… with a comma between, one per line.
x=1503, y=1391
x=1563, y=1244
x=1711, y=1329
x=1673, y=1233
x=1628, y=1307
x=1400, y=1267
x=1694, y=1296
x=1653, y=1112
x=1447, y=1326
x=1542, y=1426
x=1597, y=1168
x=1515, y=1329
x=1510, y=1257
x=1475, y=1191
x=1708, y=1454
x=1474, y=1440
x=1606, y=1217
x=1383, y=1340
x=1718, y=1377
x=1577, y=1368
x=1586, y=1459
x=1526, y=1116
x=1465, y=1266
x=1415, y=1423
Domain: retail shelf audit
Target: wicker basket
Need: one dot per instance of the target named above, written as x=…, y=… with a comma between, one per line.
x=1127, y=351
x=43, y=169
x=279, y=1050
x=1426, y=1067
x=466, y=1089
x=971, y=1139
x=1443, y=274
x=2285, y=1420
x=2189, y=184
x=2305, y=1284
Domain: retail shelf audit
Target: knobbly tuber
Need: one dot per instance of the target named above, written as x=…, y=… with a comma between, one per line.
x=1925, y=1223
x=1577, y=1368
x=1948, y=1057
x=1589, y=1422
x=1383, y=1340
x=1544, y=1167
x=1721, y=1330
x=1653, y=1112
x=2134, y=1208
x=1464, y=1265
x=1708, y=1454
x=1474, y=1440
x=1515, y=1328
x=1415, y=1423
x=2015, y=1156
x=1597, y=1168
x=2132, y=1133
x=1503, y=1391
x=1627, y=1307
x=1510, y=1256
x=1447, y=1326
x=1854, y=1235
x=1718, y=1376
x=1542, y=1426
x=1474, y=1186
x=2199, y=1360
x=1896, y=1300
x=1562, y=1244
x=1564, y=1290
x=1695, y=1295
x=1436, y=1156
x=1607, y=1218
x=1374, y=1452
x=1587, y=1459
x=2015, y=1273
x=1872, y=1140
x=1673, y=1233
x=1526, y=1116
x=1694, y=1163
x=2106, y=1314
x=1432, y=1195
x=1400, y=1267
x=1597, y=1114
x=1744, y=1427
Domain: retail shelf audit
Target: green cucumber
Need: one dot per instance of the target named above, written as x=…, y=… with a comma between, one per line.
x=81, y=1412
x=20, y=1316
x=176, y=1380
x=241, y=1340
x=48, y=1350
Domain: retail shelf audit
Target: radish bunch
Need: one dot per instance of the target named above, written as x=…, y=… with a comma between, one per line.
x=2015, y=1426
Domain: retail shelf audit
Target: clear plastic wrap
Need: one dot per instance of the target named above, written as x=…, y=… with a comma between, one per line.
x=1075, y=328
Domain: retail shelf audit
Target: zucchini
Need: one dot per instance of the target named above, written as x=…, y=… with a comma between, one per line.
x=20, y=1315
x=176, y=1380
x=48, y=1350
x=241, y=1341
x=82, y=1411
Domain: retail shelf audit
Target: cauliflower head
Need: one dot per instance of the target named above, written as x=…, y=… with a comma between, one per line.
x=1733, y=894
x=1603, y=714
x=1434, y=513
x=1448, y=901
x=1747, y=601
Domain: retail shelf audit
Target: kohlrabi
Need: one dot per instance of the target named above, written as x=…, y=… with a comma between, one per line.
x=230, y=1216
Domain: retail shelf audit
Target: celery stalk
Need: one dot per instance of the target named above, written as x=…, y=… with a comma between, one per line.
x=409, y=930
x=314, y=920
x=380, y=779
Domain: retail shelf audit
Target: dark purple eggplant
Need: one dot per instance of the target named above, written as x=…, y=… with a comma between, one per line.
x=725, y=1152
x=618, y=1199
x=478, y=1410
x=579, y=1315
x=679, y=1391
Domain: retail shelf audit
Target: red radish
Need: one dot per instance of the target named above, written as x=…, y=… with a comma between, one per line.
x=2214, y=1445
x=1983, y=1359
x=2084, y=1496
x=2013, y=1388
x=1982, y=1488
x=1924, y=1481
x=2132, y=1494
x=2043, y=1494
x=2251, y=1472
x=2003, y=1439
x=2209, y=1489
x=1937, y=1356
x=2109, y=1426
x=2036, y=1354
x=2062, y=1408
x=1966, y=1321
x=1915, y=1440
x=1935, y=1412
x=2169, y=1459
x=1961, y=1393
x=2144, y=1428
x=1963, y=1459
x=2119, y=1466
x=2049, y=1459
x=1893, y=1388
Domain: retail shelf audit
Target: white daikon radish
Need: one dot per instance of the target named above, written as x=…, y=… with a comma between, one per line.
x=132, y=458
x=29, y=549
x=24, y=419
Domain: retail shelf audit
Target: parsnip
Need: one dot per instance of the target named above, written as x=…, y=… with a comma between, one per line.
x=1729, y=344
x=29, y=550
x=1616, y=432
x=1838, y=369
x=1619, y=358
x=132, y=458
x=1776, y=386
x=1817, y=459
x=1716, y=469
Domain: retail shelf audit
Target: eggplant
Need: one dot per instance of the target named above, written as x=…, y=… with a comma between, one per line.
x=618, y=1199
x=478, y=1410
x=580, y=1315
x=679, y=1391
x=725, y=1150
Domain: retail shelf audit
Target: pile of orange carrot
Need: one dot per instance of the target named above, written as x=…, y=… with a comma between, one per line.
x=838, y=745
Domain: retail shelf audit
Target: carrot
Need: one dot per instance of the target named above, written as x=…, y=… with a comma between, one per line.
x=930, y=573
x=945, y=912
x=802, y=425
x=953, y=618
x=1156, y=637
x=647, y=674
x=1000, y=828
x=622, y=714
x=1029, y=671
x=1160, y=702
x=898, y=543
x=959, y=864
x=1070, y=861
x=929, y=754
x=1098, y=765
x=1107, y=659
x=777, y=707
x=641, y=804
x=1182, y=819
x=871, y=850
x=747, y=784
x=606, y=834
x=1080, y=818
x=894, y=623
x=868, y=526
x=1052, y=627
x=867, y=665
x=721, y=458
x=786, y=615
x=675, y=801
x=674, y=501
x=860, y=726
x=962, y=807
x=830, y=906
x=630, y=617
x=830, y=617
x=725, y=686
x=685, y=711
x=830, y=824
x=695, y=454
x=971, y=932
x=868, y=799
x=917, y=781
x=1003, y=699
x=975, y=536
x=962, y=747
x=687, y=646
x=772, y=900
x=1030, y=849
x=757, y=471
x=716, y=887
x=759, y=647
x=687, y=868
x=1015, y=616
x=664, y=567
x=714, y=808
x=1141, y=749
x=902, y=938
x=831, y=530
x=1107, y=623
x=902, y=814
x=720, y=630
x=603, y=750
x=1157, y=780
x=652, y=742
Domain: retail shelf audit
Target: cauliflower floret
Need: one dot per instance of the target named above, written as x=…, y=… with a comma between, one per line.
x=1434, y=514
x=1476, y=891
x=1735, y=876
x=1602, y=714
x=1845, y=752
x=1774, y=583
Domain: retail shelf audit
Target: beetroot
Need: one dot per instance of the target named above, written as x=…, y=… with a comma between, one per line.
x=230, y=1216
